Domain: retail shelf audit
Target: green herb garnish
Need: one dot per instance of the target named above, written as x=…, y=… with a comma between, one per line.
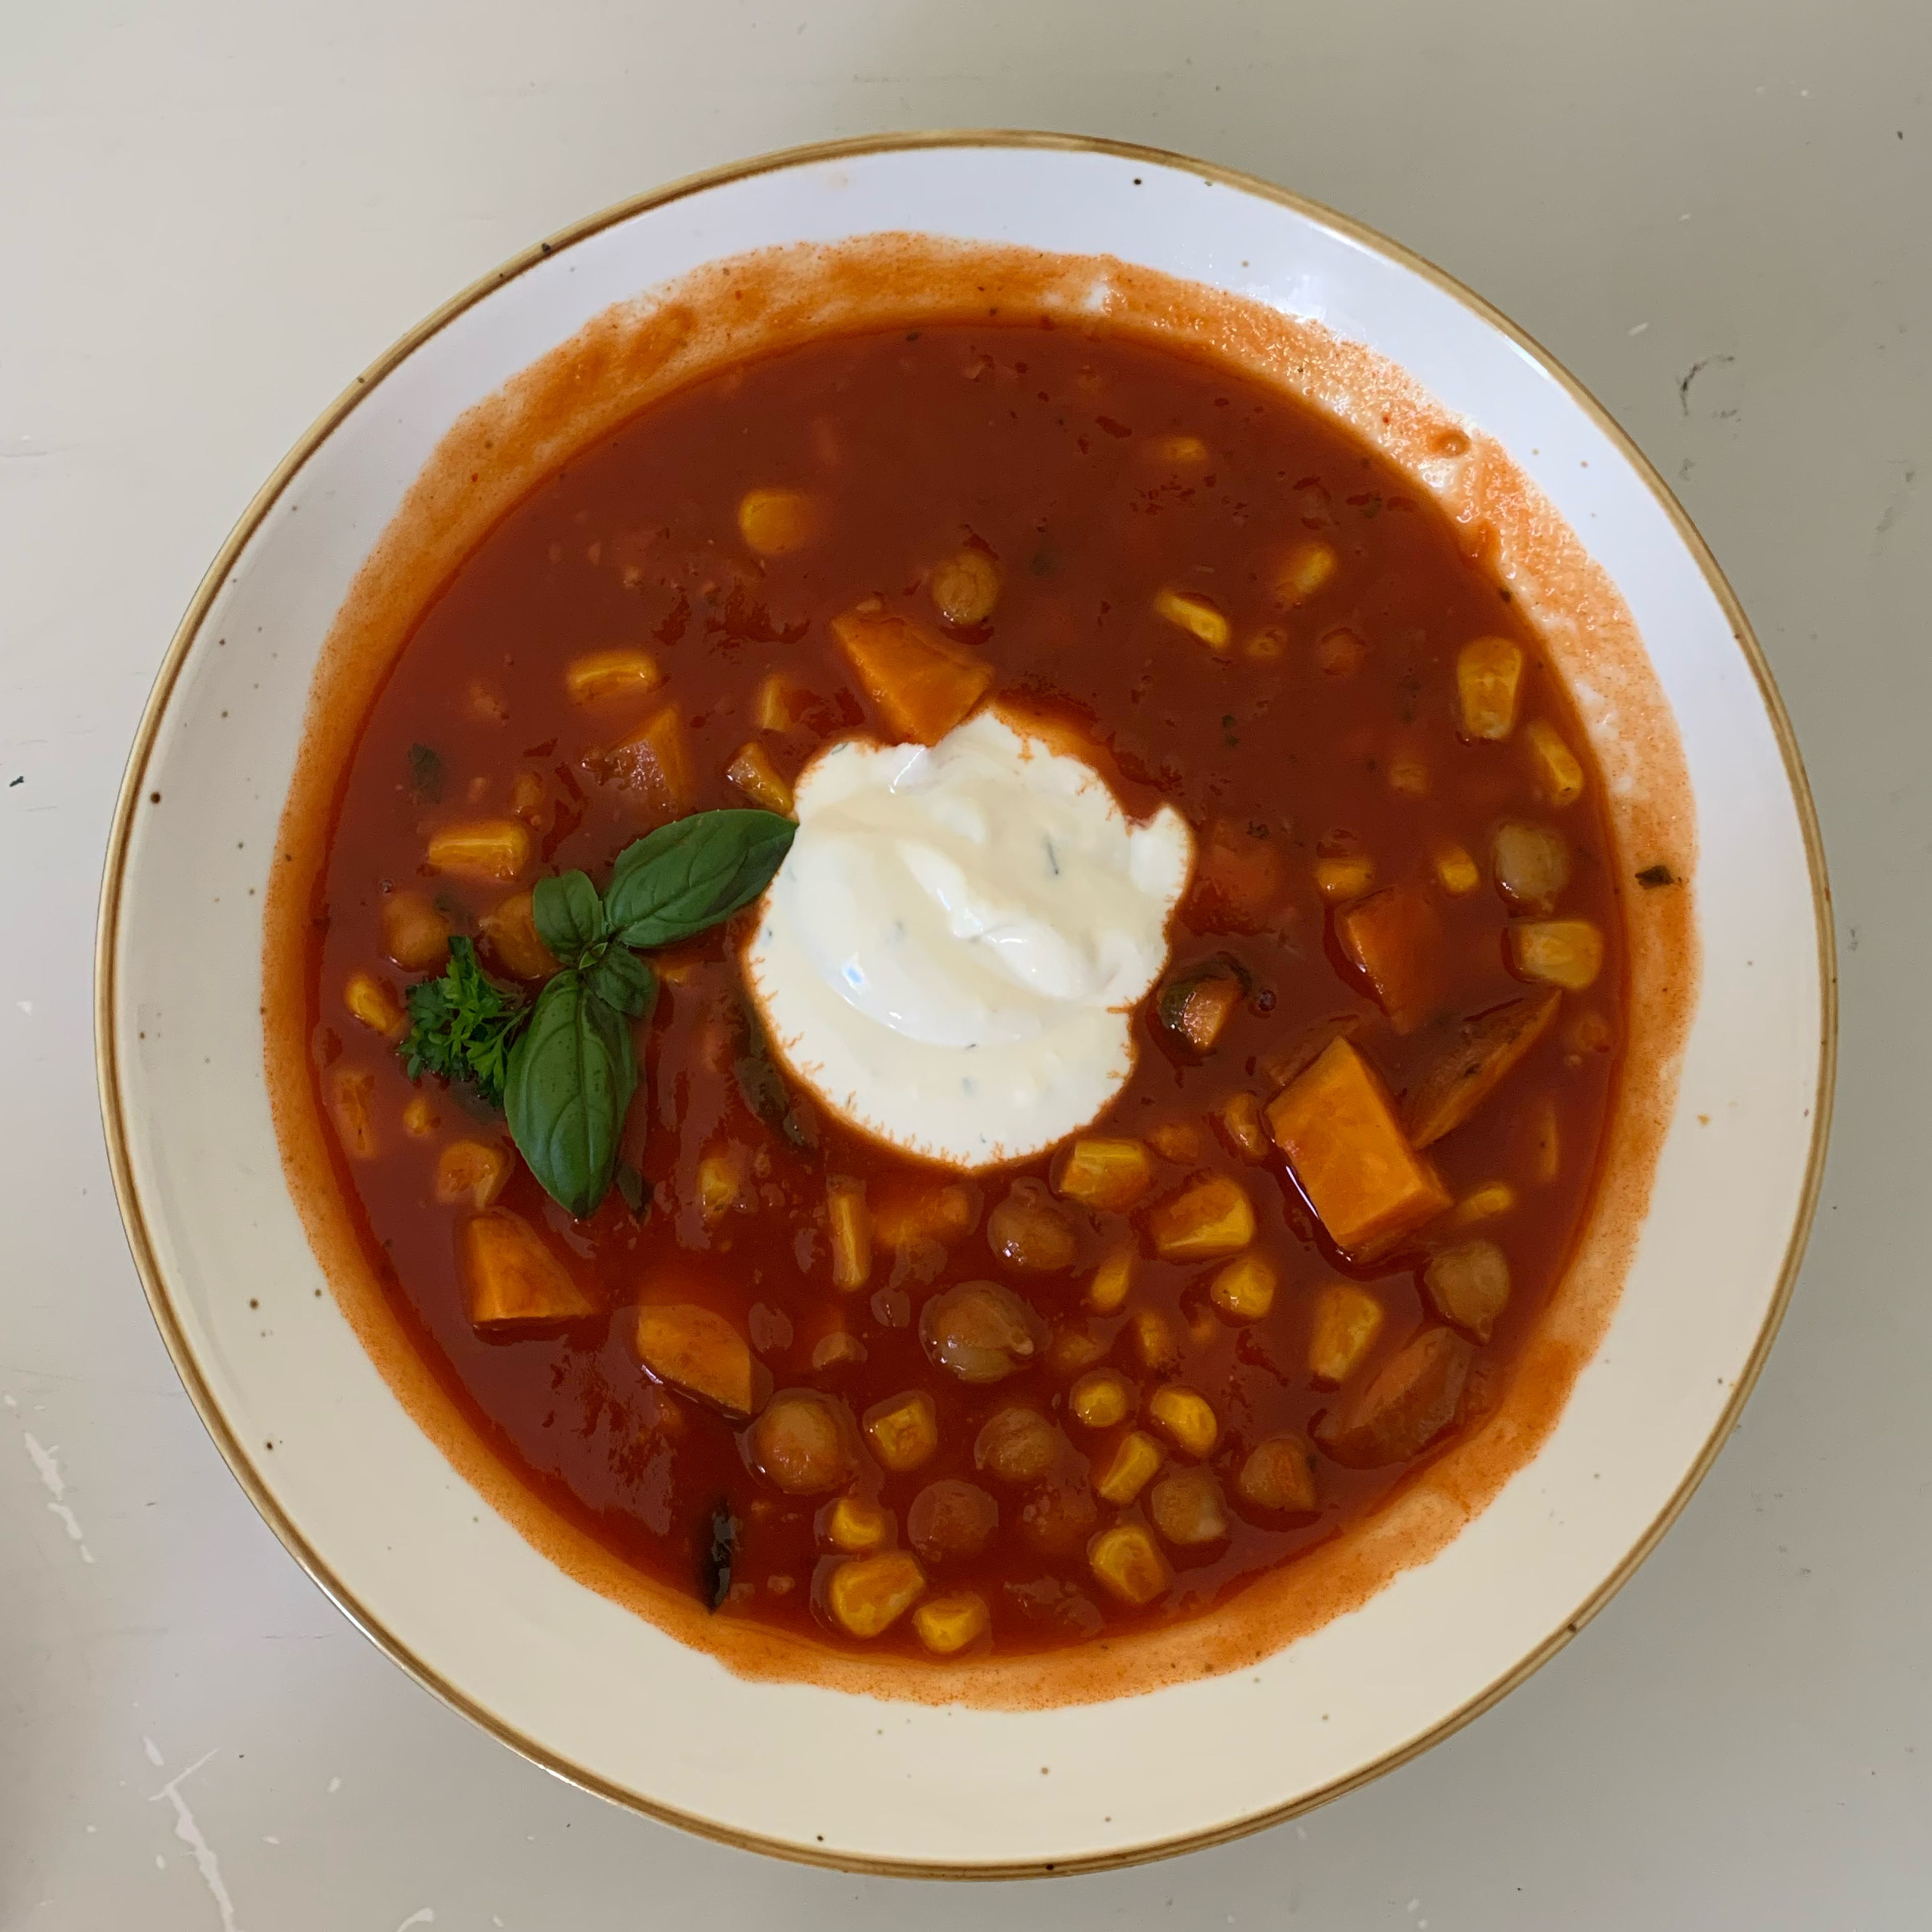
x=462, y=1026
x=563, y=1068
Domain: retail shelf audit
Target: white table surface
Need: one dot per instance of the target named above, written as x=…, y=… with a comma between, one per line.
x=213, y=213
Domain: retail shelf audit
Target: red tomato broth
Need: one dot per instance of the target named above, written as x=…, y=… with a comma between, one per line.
x=1035, y=442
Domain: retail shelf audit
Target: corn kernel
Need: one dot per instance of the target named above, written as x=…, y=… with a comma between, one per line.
x=597, y=675
x=1565, y=952
x=1153, y=1339
x=1456, y=871
x=1489, y=674
x=858, y=1525
x=1350, y=877
x=904, y=1431
x=372, y=1001
x=1340, y=652
x=1136, y=1457
x=721, y=1183
x=415, y=934
x=1109, y=1175
x=471, y=1171
x=1107, y=1292
x=1241, y=1121
x=1185, y=1417
x=1213, y=1217
x=1195, y=614
x=752, y=771
x=350, y=1091
x=483, y=848
x=1558, y=776
x=1244, y=1290
x=1348, y=1320
x=1127, y=1563
x=780, y=703
x=1305, y=569
x=776, y=522
x=1073, y=1348
x=1101, y=1399
x=1483, y=1204
x=1408, y=775
x=947, y=1624
x=527, y=796
x=1269, y=645
x=867, y=1594
x=420, y=1118
x=1180, y=1141
x=1177, y=451
x=851, y=1230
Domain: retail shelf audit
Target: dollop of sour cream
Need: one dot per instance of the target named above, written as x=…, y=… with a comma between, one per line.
x=950, y=955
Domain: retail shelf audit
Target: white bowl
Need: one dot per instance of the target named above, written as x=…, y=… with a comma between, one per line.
x=1470, y=1580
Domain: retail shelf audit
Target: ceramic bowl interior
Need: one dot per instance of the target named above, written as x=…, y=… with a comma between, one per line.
x=381, y=1519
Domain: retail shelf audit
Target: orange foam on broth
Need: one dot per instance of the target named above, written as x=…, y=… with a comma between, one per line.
x=508, y=444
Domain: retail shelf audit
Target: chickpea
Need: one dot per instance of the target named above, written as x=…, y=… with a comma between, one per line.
x=1016, y=1446
x=979, y=1331
x=966, y=586
x=951, y=1518
x=1187, y=1509
x=801, y=1443
x=1031, y=1231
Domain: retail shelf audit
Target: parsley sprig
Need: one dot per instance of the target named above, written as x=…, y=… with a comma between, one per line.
x=462, y=1025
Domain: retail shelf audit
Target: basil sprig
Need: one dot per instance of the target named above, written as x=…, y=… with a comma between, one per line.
x=573, y=1066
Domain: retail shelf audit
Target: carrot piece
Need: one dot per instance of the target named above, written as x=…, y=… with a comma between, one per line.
x=925, y=683
x=1337, y=1126
x=1490, y=1046
x=1396, y=937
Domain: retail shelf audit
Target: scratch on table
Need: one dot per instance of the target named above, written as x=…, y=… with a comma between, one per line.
x=189, y=1833
x=44, y=1460
x=424, y=1917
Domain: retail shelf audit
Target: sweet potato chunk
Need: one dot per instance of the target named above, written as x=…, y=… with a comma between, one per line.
x=1395, y=936
x=1409, y=1403
x=514, y=1280
x=1489, y=1047
x=924, y=683
x=699, y=1351
x=1346, y=1149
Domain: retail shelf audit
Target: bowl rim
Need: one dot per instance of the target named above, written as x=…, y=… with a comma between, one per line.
x=160, y=1294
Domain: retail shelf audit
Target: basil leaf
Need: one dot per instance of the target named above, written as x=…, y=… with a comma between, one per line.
x=569, y=915
x=622, y=980
x=572, y=1074
x=687, y=876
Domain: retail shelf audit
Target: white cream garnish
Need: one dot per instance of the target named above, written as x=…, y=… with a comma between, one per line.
x=950, y=955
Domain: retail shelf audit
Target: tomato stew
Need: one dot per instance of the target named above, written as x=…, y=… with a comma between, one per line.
x=1302, y=1249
